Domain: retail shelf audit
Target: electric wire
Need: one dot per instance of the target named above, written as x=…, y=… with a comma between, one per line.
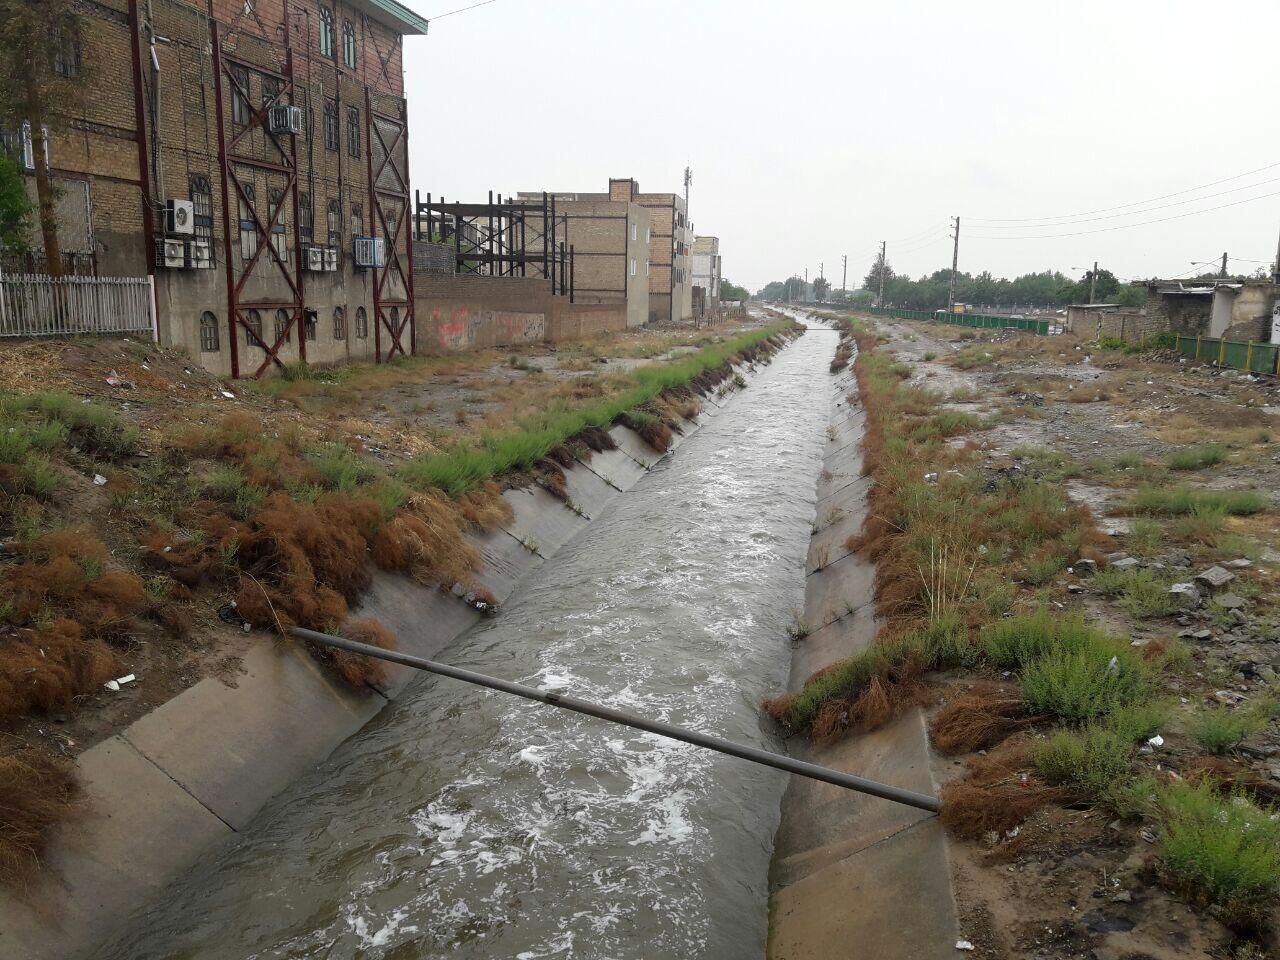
x=441, y=16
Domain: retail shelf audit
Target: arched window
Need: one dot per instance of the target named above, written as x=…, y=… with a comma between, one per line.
x=331, y=125
x=335, y=223
x=362, y=324
x=326, y=31
x=282, y=326
x=349, y=43
x=395, y=318
x=253, y=321
x=239, y=95
x=202, y=202
x=357, y=220
x=248, y=229
x=310, y=324
x=275, y=203
x=209, y=333
x=306, y=222
x=353, y=133
x=339, y=324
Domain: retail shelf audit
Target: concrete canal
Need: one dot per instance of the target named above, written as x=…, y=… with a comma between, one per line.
x=466, y=824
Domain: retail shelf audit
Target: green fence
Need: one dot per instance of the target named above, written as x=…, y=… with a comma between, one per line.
x=1254, y=357
x=980, y=320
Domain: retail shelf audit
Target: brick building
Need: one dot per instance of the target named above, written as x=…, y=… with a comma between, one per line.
x=610, y=239
x=252, y=155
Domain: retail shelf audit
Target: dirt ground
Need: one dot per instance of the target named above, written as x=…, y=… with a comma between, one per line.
x=1078, y=883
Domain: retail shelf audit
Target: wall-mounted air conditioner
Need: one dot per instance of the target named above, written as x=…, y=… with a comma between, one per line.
x=284, y=118
x=179, y=217
x=171, y=254
x=367, y=252
x=313, y=259
x=331, y=260
x=200, y=254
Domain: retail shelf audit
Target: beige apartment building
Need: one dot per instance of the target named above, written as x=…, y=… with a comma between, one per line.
x=610, y=240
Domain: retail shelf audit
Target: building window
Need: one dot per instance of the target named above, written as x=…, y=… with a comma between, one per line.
x=202, y=202
x=65, y=41
x=310, y=324
x=362, y=324
x=253, y=329
x=349, y=43
x=335, y=223
x=248, y=228
x=326, y=31
x=633, y=266
x=306, y=217
x=239, y=95
x=282, y=325
x=646, y=268
x=208, y=333
x=271, y=88
x=275, y=201
x=339, y=324
x=357, y=220
x=331, y=125
x=634, y=231
x=395, y=318
x=353, y=132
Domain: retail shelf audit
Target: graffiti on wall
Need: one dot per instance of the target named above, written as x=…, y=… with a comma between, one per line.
x=465, y=328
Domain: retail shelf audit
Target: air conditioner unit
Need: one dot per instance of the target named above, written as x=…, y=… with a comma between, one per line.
x=171, y=254
x=179, y=217
x=331, y=260
x=200, y=254
x=285, y=118
x=367, y=251
x=313, y=259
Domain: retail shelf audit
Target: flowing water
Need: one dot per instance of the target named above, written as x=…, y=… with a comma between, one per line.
x=467, y=824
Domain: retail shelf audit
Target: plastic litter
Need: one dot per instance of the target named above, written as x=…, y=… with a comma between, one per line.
x=99, y=480
x=964, y=945
x=119, y=682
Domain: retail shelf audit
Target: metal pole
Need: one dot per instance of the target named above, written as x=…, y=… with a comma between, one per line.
x=880, y=290
x=955, y=263
x=1093, y=281
x=754, y=754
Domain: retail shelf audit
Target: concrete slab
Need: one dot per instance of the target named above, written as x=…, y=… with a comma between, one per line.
x=854, y=908
x=504, y=562
x=827, y=546
x=588, y=491
x=630, y=443
x=837, y=640
x=425, y=620
x=541, y=521
x=834, y=591
x=233, y=748
x=136, y=825
x=617, y=468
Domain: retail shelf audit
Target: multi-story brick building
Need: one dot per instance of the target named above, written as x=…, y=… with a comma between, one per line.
x=252, y=155
x=610, y=239
x=706, y=274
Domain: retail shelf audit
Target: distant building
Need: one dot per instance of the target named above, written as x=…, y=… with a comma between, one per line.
x=706, y=274
x=611, y=243
x=1232, y=309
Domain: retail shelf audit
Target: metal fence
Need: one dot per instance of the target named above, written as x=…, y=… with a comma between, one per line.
x=1242, y=355
x=35, y=305
x=980, y=320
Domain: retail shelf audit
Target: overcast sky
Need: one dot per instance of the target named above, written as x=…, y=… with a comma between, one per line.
x=817, y=129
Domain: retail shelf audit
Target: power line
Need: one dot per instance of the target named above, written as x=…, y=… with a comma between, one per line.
x=1125, y=226
x=1125, y=206
x=1134, y=213
x=441, y=16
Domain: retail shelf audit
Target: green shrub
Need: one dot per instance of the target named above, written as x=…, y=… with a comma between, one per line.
x=1095, y=759
x=1197, y=458
x=340, y=467
x=1145, y=536
x=40, y=478
x=1223, y=850
x=1220, y=728
x=14, y=445
x=1092, y=679
x=1185, y=500
x=1147, y=595
x=1017, y=641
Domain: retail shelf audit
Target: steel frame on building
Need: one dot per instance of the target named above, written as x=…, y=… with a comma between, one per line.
x=393, y=314
x=233, y=190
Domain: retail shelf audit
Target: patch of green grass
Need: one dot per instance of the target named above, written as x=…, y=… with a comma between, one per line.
x=1182, y=500
x=40, y=478
x=1014, y=642
x=1145, y=537
x=1197, y=458
x=1147, y=595
x=93, y=427
x=1220, y=728
x=14, y=445
x=227, y=483
x=972, y=357
x=930, y=356
x=1232, y=545
x=1097, y=677
x=340, y=468
x=1222, y=850
x=1094, y=759
x=1041, y=570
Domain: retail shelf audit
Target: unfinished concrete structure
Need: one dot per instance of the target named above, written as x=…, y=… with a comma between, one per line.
x=706, y=276
x=252, y=156
x=1231, y=309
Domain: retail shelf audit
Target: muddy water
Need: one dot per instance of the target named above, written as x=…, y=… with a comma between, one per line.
x=466, y=824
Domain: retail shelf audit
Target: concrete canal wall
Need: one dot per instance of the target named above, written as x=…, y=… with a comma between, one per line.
x=854, y=876
x=181, y=781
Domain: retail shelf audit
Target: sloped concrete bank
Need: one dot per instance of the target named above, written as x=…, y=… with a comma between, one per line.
x=855, y=876
x=187, y=777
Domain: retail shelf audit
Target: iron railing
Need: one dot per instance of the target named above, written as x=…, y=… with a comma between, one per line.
x=36, y=305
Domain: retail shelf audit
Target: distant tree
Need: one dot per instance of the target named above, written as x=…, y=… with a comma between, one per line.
x=775, y=290
x=1131, y=295
x=820, y=288
x=730, y=291
x=15, y=207
x=872, y=280
x=41, y=85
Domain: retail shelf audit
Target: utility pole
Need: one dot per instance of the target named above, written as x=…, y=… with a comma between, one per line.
x=1275, y=274
x=844, y=277
x=955, y=263
x=1093, y=281
x=880, y=293
x=1222, y=274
